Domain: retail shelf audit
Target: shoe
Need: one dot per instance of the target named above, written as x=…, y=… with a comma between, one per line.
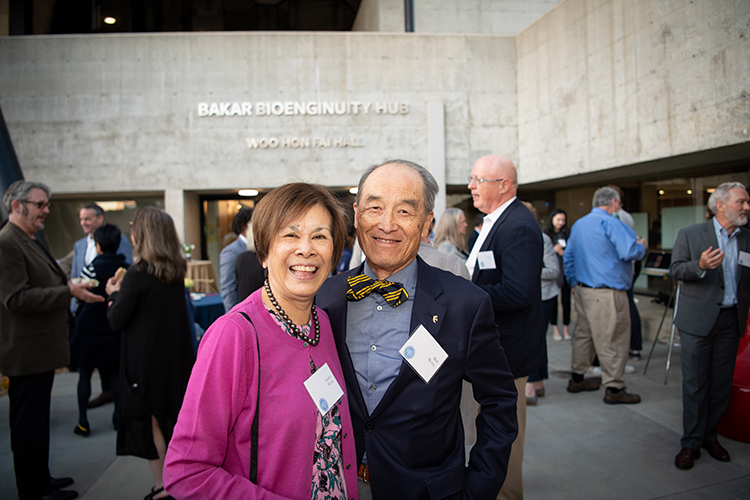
x=82, y=431
x=60, y=495
x=629, y=369
x=540, y=392
x=716, y=451
x=60, y=482
x=595, y=370
x=567, y=337
x=583, y=385
x=102, y=399
x=556, y=337
x=636, y=355
x=685, y=458
x=531, y=401
x=621, y=398
x=155, y=492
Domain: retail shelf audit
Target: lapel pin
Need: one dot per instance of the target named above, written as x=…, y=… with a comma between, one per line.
x=434, y=319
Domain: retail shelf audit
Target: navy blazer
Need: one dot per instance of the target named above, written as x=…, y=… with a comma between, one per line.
x=515, y=286
x=414, y=438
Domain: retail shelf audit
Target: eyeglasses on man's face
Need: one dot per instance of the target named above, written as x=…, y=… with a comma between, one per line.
x=41, y=205
x=478, y=181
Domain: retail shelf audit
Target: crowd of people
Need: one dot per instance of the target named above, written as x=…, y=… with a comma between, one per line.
x=356, y=358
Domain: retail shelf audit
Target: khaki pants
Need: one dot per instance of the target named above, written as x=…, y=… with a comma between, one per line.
x=603, y=329
x=513, y=486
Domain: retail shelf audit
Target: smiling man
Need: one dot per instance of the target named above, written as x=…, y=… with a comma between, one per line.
x=712, y=261
x=409, y=435
x=35, y=295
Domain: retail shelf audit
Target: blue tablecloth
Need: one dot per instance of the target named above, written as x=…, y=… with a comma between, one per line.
x=208, y=309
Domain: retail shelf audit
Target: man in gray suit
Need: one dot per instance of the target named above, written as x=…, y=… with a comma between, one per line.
x=35, y=295
x=228, y=259
x=712, y=260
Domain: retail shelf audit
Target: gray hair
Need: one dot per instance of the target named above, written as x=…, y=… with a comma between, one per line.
x=604, y=196
x=19, y=191
x=722, y=193
x=430, y=185
x=447, y=228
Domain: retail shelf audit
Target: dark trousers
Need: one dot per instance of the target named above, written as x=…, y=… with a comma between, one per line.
x=111, y=375
x=707, y=371
x=29, y=397
x=636, y=336
x=565, y=299
x=543, y=372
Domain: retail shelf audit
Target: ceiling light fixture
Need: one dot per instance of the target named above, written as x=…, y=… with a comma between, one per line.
x=110, y=20
x=354, y=190
x=248, y=192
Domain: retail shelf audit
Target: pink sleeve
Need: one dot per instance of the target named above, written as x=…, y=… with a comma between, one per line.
x=196, y=464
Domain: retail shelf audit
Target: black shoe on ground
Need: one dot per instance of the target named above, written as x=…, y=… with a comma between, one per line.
x=102, y=399
x=82, y=431
x=583, y=385
x=60, y=482
x=621, y=398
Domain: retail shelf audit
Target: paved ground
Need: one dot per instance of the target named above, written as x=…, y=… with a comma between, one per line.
x=577, y=447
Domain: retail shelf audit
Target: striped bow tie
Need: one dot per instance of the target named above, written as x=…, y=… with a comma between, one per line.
x=362, y=285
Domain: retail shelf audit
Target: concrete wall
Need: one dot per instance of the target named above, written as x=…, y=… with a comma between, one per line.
x=120, y=113
x=497, y=17
x=604, y=83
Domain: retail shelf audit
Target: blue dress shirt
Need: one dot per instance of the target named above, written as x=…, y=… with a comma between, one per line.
x=375, y=331
x=728, y=245
x=599, y=252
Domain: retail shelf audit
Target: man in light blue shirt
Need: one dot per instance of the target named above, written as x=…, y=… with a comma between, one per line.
x=597, y=261
x=712, y=262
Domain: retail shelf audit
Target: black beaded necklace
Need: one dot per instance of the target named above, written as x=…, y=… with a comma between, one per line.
x=294, y=330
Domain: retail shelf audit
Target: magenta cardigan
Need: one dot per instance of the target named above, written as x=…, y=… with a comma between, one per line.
x=209, y=454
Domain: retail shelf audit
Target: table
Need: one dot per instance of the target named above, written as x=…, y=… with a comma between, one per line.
x=203, y=276
x=207, y=309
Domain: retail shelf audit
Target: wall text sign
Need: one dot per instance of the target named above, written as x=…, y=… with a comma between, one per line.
x=294, y=108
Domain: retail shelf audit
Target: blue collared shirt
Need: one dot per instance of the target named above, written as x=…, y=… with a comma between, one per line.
x=375, y=332
x=728, y=245
x=599, y=252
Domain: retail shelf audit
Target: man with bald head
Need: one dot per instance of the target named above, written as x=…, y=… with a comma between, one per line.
x=407, y=426
x=506, y=262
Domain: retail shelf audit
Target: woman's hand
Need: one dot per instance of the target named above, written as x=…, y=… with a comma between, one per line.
x=559, y=250
x=113, y=285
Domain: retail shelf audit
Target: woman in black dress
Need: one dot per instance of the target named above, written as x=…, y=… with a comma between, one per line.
x=557, y=230
x=148, y=306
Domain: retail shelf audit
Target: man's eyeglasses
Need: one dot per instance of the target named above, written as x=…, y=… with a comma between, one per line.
x=478, y=181
x=41, y=205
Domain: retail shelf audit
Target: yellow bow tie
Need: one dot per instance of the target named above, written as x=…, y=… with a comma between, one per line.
x=362, y=285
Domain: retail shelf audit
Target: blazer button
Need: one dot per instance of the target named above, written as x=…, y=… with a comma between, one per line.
x=348, y=466
x=369, y=427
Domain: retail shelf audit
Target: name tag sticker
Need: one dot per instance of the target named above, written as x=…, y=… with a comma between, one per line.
x=486, y=260
x=324, y=389
x=423, y=353
x=744, y=259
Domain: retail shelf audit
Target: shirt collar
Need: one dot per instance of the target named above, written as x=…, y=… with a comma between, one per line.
x=722, y=230
x=499, y=211
x=407, y=276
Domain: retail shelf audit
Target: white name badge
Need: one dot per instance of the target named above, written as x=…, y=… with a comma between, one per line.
x=423, y=353
x=486, y=260
x=744, y=259
x=324, y=389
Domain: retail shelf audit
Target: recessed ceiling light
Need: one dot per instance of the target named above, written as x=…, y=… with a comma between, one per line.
x=110, y=20
x=689, y=191
x=354, y=190
x=248, y=192
x=661, y=191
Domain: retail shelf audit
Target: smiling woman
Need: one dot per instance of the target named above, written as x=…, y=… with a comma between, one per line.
x=247, y=395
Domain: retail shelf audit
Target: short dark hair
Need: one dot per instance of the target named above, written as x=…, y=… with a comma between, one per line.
x=108, y=238
x=99, y=211
x=288, y=202
x=240, y=221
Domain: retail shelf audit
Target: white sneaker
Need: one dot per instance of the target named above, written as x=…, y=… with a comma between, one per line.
x=629, y=369
x=595, y=370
